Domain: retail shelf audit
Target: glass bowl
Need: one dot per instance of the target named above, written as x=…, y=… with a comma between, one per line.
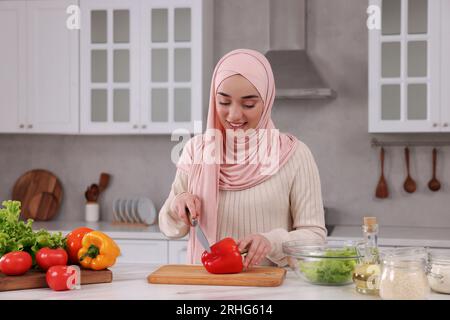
x=323, y=263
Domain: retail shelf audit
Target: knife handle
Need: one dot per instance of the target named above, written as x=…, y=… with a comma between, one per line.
x=192, y=221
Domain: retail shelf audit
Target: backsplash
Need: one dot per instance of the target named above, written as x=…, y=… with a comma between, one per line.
x=335, y=130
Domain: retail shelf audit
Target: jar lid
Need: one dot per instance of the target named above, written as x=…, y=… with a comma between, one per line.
x=439, y=257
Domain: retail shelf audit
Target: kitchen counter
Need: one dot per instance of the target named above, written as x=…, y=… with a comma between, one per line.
x=388, y=236
x=116, y=231
x=130, y=283
x=398, y=236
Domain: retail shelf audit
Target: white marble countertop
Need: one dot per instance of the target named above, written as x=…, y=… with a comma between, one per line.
x=388, y=235
x=130, y=283
x=398, y=236
x=116, y=231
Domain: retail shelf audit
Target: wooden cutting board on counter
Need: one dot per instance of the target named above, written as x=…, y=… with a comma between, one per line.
x=197, y=275
x=40, y=193
x=35, y=279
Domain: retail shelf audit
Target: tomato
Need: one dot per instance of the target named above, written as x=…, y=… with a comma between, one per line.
x=60, y=278
x=15, y=263
x=46, y=258
x=74, y=239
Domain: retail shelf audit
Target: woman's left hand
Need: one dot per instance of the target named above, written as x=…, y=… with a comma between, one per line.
x=258, y=247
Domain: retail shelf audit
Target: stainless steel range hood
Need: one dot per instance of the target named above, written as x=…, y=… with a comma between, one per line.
x=296, y=77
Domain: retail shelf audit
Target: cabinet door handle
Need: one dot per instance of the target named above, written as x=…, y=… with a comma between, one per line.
x=21, y=126
x=445, y=124
x=30, y=126
x=144, y=126
x=135, y=126
x=435, y=125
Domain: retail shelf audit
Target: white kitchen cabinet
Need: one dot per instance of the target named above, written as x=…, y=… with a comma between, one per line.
x=52, y=63
x=178, y=252
x=143, y=65
x=39, y=70
x=408, y=67
x=109, y=66
x=152, y=251
x=12, y=66
x=175, y=56
x=445, y=64
x=143, y=251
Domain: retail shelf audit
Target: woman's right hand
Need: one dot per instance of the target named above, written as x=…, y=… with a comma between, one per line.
x=189, y=201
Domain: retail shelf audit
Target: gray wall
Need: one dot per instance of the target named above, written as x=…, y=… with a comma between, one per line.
x=335, y=130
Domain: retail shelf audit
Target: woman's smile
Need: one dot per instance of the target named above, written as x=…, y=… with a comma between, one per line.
x=236, y=125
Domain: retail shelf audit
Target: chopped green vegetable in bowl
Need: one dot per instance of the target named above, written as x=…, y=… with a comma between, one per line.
x=16, y=235
x=329, y=263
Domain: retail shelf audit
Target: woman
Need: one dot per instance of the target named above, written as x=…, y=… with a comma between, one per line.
x=259, y=208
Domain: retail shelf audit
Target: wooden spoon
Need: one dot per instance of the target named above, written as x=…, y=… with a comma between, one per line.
x=94, y=191
x=382, y=188
x=104, y=181
x=410, y=184
x=434, y=183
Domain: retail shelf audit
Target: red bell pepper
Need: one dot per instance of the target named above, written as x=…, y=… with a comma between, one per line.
x=224, y=257
x=74, y=245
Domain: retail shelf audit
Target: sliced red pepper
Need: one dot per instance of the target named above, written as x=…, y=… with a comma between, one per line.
x=224, y=257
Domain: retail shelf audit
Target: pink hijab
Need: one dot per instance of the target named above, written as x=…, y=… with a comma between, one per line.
x=205, y=179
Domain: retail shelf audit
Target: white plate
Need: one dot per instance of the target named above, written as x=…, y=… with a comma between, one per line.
x=118, y=209
x=127, y=203
x=146, y=210
x=116, y=216
x=134, y=206
x=123, y=210
x=130, y=210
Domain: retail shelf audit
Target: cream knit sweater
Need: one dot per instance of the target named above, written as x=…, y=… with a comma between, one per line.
x=287, y=206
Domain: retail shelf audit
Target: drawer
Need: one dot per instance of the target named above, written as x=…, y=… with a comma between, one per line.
x=143, y=251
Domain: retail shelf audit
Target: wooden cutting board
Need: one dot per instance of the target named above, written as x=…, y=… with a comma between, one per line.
x=40, y=193
x=34, y=279
x=197, y=274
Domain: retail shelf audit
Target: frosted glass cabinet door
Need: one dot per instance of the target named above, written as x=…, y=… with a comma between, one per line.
x=171, y=50
x=404, y=67
x=143, y=65
x=109, y=66
x=52, y=63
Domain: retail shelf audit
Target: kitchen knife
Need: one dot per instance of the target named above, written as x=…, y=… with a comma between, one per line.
x=200, y=235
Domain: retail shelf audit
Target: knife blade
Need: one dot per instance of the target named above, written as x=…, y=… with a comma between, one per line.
x=199, y=232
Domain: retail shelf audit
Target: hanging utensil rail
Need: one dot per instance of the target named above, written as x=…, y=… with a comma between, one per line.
x=377, y=143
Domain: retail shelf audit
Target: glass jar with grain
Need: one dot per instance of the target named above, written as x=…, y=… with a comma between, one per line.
x=439, y=271
x=404, y=274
